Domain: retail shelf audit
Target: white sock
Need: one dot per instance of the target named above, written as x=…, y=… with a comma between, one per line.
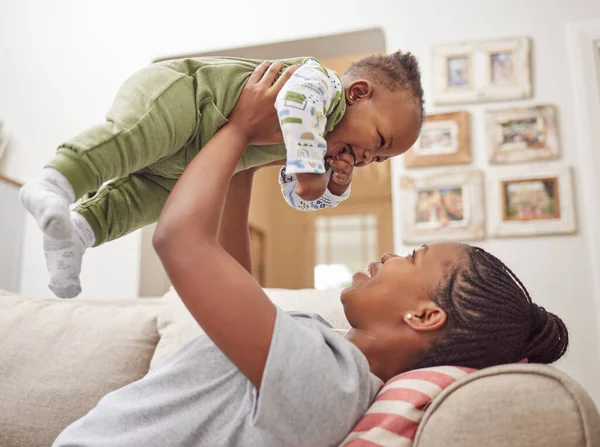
x=47, y=198
x=64, y=257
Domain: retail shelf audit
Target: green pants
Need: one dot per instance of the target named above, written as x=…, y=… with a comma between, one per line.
x=160, y=119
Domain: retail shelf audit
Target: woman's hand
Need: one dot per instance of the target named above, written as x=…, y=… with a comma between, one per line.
x=254, y=115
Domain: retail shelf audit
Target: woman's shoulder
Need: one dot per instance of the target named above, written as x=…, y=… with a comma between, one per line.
x=316, y=318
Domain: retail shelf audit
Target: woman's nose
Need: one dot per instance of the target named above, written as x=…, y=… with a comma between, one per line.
x=387, y=256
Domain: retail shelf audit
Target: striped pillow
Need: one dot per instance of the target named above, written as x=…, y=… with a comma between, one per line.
x=393, y=418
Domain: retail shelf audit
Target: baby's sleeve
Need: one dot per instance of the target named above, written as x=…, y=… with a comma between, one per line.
x=315, y=386
x=327, y=200
x=302, y=106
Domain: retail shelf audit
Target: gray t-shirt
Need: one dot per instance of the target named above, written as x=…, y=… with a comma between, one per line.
x=315, y=387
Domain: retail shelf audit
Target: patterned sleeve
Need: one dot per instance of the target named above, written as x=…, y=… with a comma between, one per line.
x=302, y=106
x=327, y=200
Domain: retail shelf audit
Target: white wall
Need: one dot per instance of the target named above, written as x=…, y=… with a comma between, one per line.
x=63, y=61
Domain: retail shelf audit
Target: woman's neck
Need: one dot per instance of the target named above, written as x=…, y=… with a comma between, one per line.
x=388, y=355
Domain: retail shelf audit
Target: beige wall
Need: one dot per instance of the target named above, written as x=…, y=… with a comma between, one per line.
x=283, y=228
x=264, y=188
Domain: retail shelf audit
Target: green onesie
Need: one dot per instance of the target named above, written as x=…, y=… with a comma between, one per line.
x=162, y=116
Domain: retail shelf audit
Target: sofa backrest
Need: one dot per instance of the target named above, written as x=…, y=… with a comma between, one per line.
x=511, y=405
x=59, y=357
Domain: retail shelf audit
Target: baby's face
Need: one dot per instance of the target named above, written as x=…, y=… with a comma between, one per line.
x=376, y=128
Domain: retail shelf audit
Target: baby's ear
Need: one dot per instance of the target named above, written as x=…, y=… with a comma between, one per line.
x=359, y=90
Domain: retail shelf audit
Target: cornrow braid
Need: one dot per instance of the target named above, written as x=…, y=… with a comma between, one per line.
x=399, y=70
x=491, y=319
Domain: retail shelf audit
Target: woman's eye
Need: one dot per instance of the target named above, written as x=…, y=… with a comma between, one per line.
x=381, y=141
x=378, y=159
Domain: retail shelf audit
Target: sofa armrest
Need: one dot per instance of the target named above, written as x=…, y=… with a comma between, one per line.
x=524, y=405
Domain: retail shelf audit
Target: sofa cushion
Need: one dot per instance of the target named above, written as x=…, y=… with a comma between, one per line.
x=59, y=357
x=176, y=326
x=511, y=405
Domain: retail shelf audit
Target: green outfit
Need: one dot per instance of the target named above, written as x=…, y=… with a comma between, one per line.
x=161, y=118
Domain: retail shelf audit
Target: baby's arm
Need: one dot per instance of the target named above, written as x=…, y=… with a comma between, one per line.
x=302, y=106
x=342, y=167
x=339, y=178
x=328, y=199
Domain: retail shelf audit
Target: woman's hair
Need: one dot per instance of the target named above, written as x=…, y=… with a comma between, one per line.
x=395, y=71
x=491, y=319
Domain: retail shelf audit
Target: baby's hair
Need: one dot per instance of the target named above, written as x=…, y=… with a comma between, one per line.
x=395, y=71
x=491, y=319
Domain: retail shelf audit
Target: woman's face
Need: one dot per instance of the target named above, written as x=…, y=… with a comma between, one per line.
x=399, y=285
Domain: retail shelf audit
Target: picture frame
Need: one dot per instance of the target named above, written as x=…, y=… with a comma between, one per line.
x=442, y=206
x=531, y=200
x=444, y=140
x=482, y=71
x=520, y=135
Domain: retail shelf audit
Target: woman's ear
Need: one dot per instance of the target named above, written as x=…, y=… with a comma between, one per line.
x=357, y=90
x=428, y=319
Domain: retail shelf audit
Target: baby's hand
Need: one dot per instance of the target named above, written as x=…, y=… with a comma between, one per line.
x=343, y=166
x=310, y=186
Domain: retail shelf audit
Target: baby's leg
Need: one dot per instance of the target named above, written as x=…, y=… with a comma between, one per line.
x=154, y=115
x=64, y=257
x=119, y=208
x=47, y=198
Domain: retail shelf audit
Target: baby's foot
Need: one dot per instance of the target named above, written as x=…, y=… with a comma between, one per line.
x=47, y=198
x=64, y=258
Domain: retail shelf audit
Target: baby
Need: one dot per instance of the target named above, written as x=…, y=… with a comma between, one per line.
x=164, y=114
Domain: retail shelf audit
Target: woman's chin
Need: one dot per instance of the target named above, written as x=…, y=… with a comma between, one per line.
x=344, y=294
x=358, y=279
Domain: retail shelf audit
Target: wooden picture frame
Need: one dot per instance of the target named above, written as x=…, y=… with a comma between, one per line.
x=482, y=71
x=520, y=135
x=445, y=139
x=442, y=206
x=531, y=200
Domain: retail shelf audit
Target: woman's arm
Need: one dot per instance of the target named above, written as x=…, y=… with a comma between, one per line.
x=221, y=294
x=234, y=236
x=233, y=232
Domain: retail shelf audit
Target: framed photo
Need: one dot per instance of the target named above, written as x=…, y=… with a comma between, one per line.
x=531, y=200
x=444, y=140
x=442, y=206
x=481, y=71
x=522, y=135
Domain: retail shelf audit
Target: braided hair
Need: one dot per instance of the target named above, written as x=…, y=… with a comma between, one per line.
x=491, y=319
x=395, y=71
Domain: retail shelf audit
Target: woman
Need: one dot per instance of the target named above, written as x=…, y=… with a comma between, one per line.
x=266, y=378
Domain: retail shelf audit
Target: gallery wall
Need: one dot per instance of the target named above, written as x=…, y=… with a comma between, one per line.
x=553, y=259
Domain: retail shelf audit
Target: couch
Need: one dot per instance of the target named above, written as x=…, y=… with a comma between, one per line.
x=59, y=357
